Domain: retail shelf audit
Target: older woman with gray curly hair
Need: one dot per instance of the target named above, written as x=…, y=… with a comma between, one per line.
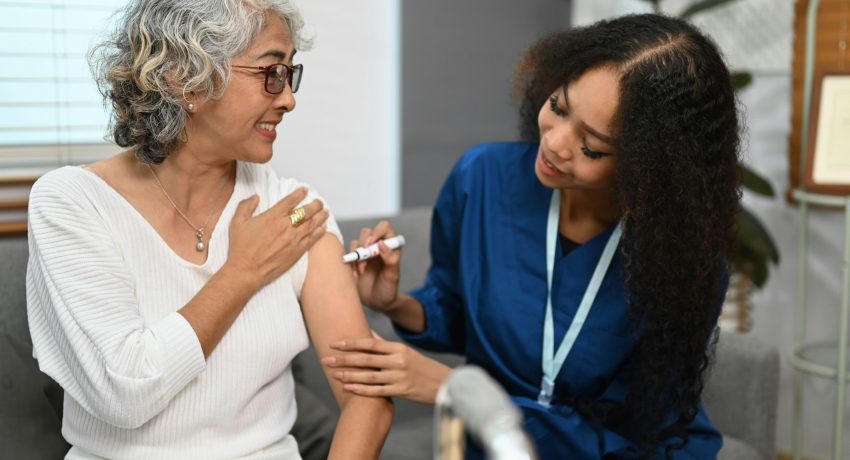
x=169, y=286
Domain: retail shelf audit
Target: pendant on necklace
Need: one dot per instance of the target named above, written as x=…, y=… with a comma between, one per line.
x=200, y=246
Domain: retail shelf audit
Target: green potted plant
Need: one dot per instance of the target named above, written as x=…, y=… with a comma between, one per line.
x=754, y=249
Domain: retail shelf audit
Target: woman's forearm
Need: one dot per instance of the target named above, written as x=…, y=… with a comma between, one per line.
x=362, y=429
x=214, y=308
x=408, y=313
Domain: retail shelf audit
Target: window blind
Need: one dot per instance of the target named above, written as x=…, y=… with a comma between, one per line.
x=51, y=113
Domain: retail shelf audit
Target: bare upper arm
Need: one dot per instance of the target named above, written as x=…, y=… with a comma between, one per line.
x=329, y=301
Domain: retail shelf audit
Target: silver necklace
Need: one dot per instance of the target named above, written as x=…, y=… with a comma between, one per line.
x=200, y=246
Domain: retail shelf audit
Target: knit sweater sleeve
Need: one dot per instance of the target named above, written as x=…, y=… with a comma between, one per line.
x=84, y=318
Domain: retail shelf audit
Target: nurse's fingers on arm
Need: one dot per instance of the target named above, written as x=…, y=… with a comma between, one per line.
x=372, y=390
x=369, y=345
x=358, y=360
x=365, y=377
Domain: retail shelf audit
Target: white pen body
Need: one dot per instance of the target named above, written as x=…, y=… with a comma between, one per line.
x=373, y=250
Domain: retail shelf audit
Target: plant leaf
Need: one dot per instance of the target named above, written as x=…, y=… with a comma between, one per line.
x=753, y=181
x=759, y=272
x=753, y=236
x=700, y=6
x=752, y=264
x=741, y=80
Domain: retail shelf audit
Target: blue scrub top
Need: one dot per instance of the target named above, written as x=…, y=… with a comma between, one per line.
x=485, y=297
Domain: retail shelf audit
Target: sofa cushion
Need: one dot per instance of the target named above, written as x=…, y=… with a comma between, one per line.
x=30, y=402
x=30, y=406
x=742, y=391
x=13, y=296
x=410, y=439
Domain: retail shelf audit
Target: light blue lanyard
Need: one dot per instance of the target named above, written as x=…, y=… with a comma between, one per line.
x=552, y=362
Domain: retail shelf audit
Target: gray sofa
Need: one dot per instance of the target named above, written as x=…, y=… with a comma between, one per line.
x=741, y=394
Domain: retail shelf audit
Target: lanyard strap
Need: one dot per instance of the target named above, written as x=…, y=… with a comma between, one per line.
x=552, y=362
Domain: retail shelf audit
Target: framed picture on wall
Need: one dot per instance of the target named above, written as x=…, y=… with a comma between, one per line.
x=828, y=162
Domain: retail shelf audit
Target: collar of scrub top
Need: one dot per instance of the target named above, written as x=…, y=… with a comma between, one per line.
x=552, y=362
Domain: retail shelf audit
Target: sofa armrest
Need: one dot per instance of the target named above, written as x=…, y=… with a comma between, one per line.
x=741, y=391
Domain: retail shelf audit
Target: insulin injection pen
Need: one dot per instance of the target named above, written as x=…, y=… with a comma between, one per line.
x=363, y=253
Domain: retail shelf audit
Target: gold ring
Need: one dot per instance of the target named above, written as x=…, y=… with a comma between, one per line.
x=297, y=216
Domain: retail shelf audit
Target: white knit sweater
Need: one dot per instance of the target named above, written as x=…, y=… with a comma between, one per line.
x=103, y=290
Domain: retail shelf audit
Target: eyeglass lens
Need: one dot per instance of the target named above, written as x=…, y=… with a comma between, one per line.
x=278, y=75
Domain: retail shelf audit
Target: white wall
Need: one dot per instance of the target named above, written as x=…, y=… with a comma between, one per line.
x=343, y=137
x=767, y=110
x=588, y=11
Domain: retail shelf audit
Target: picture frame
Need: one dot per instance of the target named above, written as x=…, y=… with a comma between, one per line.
x=828, y=153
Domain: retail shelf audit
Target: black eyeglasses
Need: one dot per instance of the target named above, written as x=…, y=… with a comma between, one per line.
x=277, y=75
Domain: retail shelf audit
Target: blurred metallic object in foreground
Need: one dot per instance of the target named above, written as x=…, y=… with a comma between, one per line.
x=470, y=400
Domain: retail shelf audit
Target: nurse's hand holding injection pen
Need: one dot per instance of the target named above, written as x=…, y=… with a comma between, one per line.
x=377, y=277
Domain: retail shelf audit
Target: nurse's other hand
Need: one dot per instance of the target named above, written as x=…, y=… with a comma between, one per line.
x=377, y=278
x=376, y=367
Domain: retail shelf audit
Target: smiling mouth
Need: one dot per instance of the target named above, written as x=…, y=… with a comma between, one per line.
x=266, y=126
x=549, y=164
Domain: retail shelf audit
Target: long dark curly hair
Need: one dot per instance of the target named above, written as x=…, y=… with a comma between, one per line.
x=676, y=135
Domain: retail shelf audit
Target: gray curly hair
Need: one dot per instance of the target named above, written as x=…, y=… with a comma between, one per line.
x=163, y=49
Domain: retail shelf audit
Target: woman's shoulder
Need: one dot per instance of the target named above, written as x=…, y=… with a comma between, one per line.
x=82, y=179
x=265, y=181
x=69, y=181
x=68, y=194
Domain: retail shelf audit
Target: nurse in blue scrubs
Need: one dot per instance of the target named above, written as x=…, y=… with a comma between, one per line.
x=583, y=269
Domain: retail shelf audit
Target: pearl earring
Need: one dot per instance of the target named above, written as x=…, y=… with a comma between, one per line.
x=191, y=106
